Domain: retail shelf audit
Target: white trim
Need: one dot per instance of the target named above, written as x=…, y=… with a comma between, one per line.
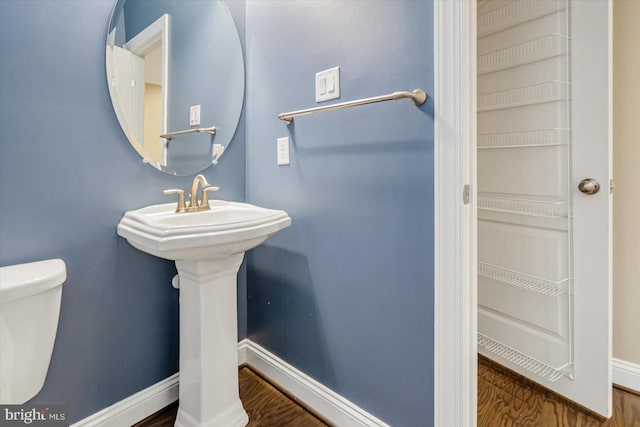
x=243, y=350
x=316, y=396
x=135, y=407
x=150, y=37
x=626, y=374
x=319, y=398
x=455, y=299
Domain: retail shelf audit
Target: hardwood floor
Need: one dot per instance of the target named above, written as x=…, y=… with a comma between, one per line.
x=506, y=399
x=266, y=405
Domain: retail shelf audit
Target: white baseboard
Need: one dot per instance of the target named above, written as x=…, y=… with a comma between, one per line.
x=135, y=407
x=626, y=374
x=319, y=398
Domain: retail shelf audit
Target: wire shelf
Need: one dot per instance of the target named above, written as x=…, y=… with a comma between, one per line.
x=522, y=360
x=524, y=53
x=540, y=209
x=526, y=138
x=526, y=95
x=513, y=14
x=524, y=281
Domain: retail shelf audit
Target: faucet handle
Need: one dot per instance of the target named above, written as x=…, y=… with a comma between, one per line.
x=205, y=199
x=181, y=205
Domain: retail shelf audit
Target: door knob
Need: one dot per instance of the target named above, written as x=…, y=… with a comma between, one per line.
x=589, y=186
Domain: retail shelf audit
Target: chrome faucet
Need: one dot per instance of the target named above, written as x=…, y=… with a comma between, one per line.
x=194, y=205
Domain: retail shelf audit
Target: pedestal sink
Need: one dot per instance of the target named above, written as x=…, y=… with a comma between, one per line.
x=208, y=248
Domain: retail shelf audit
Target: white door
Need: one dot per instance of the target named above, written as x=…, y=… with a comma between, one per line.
x=544, y=245
x=127, y=88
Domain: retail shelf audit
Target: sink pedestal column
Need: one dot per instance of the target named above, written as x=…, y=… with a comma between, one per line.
x=209, y=344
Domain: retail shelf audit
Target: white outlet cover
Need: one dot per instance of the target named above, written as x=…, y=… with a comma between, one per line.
x=283, y=151
x=328, y=84
x=194, y=115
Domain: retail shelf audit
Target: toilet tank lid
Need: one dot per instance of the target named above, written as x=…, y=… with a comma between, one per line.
x=23, y=280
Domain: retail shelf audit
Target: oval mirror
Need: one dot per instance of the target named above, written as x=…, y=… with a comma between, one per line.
x=175, y=72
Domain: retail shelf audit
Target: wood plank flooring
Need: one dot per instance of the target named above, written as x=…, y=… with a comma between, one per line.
x=507, y=400
x=504, y=400
x=266, y=405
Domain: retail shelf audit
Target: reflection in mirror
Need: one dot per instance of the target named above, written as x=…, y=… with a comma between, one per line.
x=163, y=57
x=138, y=82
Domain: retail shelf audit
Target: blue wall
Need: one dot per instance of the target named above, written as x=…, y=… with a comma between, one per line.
x=67, y=174
x=346, y=293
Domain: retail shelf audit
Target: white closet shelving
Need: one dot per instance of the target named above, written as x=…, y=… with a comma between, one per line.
x=524, y=149
x=525, y=138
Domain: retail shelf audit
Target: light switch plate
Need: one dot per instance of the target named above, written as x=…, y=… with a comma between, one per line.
x=194, y=115
x=283, y=151
x=328, y=84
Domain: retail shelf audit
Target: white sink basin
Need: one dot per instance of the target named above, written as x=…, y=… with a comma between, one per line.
x=228, y=228
x=208, y=248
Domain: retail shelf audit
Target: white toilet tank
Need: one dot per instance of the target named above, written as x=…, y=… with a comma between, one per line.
x=30, y=296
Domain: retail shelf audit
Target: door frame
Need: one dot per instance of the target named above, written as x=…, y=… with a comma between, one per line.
x=455, y=271
x=148, y=39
